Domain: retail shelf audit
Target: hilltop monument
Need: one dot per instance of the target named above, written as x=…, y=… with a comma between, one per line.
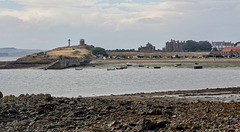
x=82, y=42
x=69, y=43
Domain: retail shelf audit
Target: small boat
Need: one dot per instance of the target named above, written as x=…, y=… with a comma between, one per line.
x=111, y=69
x=78, y=68
x=198, y=67
x=119, y=68
x=44, y=68
x=140, y=65
x=129, y=64
x=196, y=63
x=176, y=65
x=156, y=67
x=124, y=67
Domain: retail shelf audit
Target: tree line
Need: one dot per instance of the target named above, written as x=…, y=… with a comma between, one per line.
x=193, y=46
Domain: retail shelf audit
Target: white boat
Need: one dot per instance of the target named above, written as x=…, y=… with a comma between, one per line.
x=129, y=64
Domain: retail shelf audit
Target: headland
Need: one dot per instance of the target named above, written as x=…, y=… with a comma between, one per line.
x=58, y=58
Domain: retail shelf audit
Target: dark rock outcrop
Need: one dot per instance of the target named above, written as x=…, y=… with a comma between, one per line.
x=1, y=95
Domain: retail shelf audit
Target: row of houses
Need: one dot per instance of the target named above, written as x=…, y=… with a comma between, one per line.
x=227, y=52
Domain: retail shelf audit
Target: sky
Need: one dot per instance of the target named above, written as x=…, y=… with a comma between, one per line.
x=116, y=24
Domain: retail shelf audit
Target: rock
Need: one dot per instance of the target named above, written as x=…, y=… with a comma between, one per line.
x=114, y=123
x=146, y=124
x=1, y=95
x=91, y=108
x=78, y=113
x=155, y=112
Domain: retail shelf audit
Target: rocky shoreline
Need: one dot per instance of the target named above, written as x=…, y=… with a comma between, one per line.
x=162, y=111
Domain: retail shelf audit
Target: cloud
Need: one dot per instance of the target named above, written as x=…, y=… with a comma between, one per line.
x=177, y=19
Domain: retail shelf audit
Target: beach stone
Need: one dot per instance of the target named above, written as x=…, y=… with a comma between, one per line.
x=146, y=124
x=1, y=95
x=155, y=112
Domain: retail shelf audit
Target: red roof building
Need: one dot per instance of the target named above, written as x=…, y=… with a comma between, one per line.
x=231, y=51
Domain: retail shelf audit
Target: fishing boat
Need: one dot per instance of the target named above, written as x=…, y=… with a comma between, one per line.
x=198, y=67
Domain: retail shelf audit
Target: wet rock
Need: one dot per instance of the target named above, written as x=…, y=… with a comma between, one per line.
x=146, y=124
x=154, y=112
x=78, y=113
x=1, y=95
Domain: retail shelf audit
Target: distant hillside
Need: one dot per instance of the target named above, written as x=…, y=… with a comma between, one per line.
x=14, y=52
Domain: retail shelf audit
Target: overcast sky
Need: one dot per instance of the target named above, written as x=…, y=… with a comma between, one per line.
x=112, y=24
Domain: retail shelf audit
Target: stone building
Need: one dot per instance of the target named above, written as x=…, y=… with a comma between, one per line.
x=221, y=45
x=148, y=48
x=82, y=42
x=174, y=46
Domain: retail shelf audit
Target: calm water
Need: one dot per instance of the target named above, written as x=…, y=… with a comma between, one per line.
x=94, y=82
x=8, y=58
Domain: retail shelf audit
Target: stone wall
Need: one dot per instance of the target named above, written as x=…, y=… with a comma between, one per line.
x=65, y=63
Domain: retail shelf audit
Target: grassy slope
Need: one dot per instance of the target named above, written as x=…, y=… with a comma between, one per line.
x=67, y=52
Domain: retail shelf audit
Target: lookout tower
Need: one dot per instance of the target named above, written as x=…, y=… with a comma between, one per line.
x=82, y=42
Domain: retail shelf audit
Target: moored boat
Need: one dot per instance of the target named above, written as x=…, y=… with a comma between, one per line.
x=111, y=69
x=129, y=64
x=179, y=64
x=78, y=68
x=198, y=67
x=119, y=68
x=156, y=67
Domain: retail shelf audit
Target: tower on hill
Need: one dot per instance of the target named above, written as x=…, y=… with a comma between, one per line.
x=82, y=42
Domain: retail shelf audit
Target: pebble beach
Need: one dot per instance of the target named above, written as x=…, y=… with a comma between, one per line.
x=194, y=110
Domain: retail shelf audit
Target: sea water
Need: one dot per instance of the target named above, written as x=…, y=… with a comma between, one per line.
x=99, y=81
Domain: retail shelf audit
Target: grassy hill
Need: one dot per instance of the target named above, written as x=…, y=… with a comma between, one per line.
x=79, y=52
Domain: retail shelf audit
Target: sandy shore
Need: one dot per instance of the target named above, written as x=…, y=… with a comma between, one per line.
x=194, y=110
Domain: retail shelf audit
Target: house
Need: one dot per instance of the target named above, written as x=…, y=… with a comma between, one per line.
x=221, y=45
x=231, y=51
x=215, y=53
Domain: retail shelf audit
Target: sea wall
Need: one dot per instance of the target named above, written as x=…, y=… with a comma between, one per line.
x=65, y=63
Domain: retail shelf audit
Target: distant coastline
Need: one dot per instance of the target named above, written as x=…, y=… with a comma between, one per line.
x=14, y=52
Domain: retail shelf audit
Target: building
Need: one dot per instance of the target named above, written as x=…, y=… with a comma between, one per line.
x=221, y=45
x=148, y=48
x=215, y=53
x=231, y=51
x=174, y=46
x=82, y=42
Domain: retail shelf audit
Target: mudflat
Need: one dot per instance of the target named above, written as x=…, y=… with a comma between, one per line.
x=193, y=110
